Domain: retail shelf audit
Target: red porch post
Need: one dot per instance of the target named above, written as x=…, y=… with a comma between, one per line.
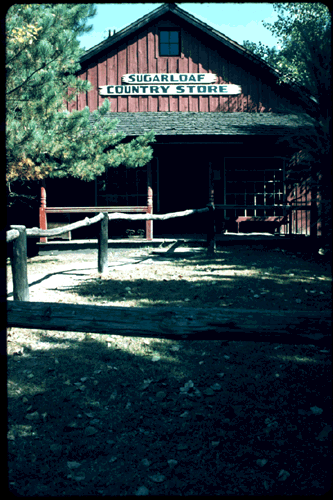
x=42, y=213
x=149, y=223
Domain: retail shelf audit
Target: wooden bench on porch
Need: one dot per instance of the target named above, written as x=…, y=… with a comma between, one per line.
x=77, y=210
x=276, y=220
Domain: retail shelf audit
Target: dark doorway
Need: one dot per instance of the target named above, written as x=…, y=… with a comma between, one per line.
x=183, y=184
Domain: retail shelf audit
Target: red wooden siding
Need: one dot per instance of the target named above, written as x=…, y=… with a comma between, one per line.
x=143, y=65
x=101, y=71
x=152, y=65
x=199, y=54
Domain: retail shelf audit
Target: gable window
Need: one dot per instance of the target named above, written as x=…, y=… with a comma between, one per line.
x=169, y=43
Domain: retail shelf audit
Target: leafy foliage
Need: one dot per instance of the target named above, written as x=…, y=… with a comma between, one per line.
x=43, y=138
x=304, y=61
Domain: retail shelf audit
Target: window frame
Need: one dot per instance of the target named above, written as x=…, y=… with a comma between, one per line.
x=169, y=30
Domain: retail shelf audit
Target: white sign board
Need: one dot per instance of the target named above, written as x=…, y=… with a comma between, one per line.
x=170, y=78
x=164, y=90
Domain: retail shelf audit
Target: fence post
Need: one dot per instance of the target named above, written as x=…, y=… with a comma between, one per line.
x=211, y=242
x=103, y=244
x=19, y=265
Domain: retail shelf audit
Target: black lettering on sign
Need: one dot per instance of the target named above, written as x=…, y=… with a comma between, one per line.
x=154, y=89
x=201, y=88
x=165, y=89
x=212, y=88
x=180, y=89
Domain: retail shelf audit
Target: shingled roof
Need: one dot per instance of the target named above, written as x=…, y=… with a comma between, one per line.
x=191, y=123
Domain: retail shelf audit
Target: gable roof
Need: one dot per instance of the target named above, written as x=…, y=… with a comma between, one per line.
x=182, y=14
x=217, y=35
x=170, y=123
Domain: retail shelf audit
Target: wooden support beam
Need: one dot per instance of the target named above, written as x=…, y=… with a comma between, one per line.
x=19, y=265
x=149, y=223
x=211, y=239
x=178, y=323
x=42, y=211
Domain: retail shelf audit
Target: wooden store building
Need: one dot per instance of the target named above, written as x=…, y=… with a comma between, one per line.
x=218, y=115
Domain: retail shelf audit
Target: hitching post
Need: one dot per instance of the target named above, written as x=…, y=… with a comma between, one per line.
x=19, y=265
x=211, y=242
x=103, y=244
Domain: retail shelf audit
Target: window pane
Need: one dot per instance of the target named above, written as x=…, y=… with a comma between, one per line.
x=164, y=36
x=164, y=49
x=174, y=49
x=174, y=36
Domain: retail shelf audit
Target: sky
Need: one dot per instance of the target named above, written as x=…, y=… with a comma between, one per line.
x=238, y=21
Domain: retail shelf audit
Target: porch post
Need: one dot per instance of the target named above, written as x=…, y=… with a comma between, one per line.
x=149, y=223
x=42, y=213
x=211, y=241
x=211, y=185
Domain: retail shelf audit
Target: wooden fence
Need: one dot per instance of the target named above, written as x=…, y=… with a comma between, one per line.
x=18, y=235
x=178, y=323
x=295, y=327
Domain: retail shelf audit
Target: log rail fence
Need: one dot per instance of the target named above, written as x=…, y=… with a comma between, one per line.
x=294, y=327
x=18, y=236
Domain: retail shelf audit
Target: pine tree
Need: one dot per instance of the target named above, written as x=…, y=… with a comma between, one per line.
x=43, y=139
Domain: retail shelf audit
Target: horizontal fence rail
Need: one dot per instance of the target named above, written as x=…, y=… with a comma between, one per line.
x=11, y=235
x=156, y=216
x=18, y=235
x=36, y=232
x=79, y=210
x=292, y=327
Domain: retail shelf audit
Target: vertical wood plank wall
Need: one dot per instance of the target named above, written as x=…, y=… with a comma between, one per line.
x=199, y=54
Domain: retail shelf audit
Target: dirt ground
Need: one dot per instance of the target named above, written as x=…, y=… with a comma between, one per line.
x=92, y=414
